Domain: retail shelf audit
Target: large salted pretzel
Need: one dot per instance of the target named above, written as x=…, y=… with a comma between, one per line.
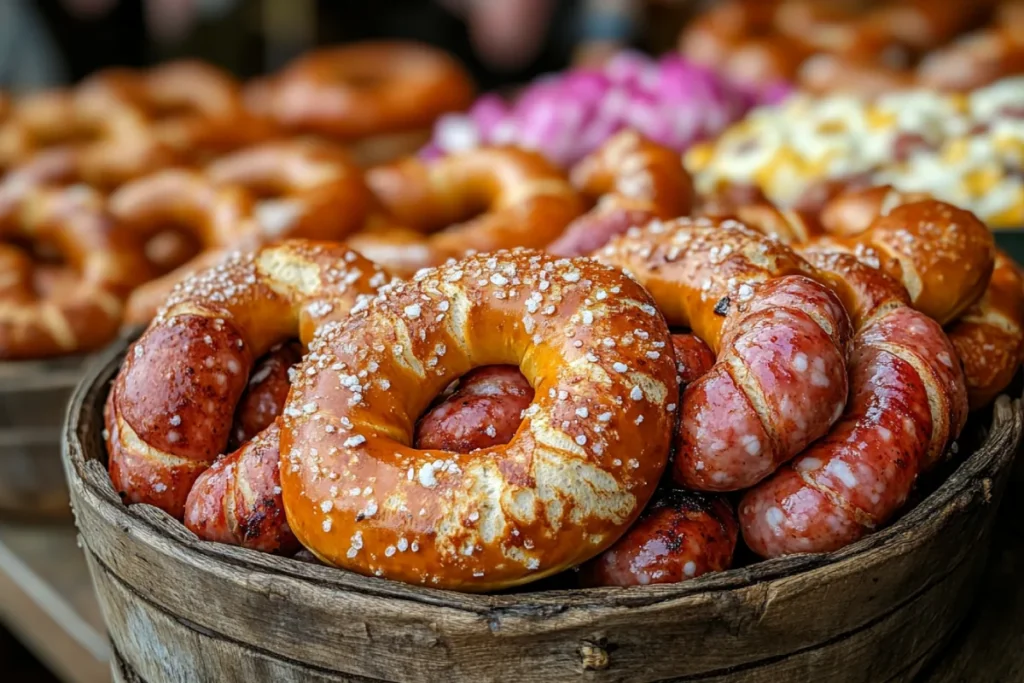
x=170, y=411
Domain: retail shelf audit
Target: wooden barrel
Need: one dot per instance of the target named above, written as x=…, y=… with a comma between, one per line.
x=183, y=610
x=33, y=398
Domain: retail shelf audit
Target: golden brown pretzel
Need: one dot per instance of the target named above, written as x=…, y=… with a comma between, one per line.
x=781, y=338
x=169, y=413
x=525, y=201
x=307, y=189
x=632, y=180
x=365, y=89
x=109, y=145
x=941, y=254
x=214, y=219
x=908, y=403
x=588, y=455
x=851, y=213
x=191, y=108
x=77, y=307
x=989, y=336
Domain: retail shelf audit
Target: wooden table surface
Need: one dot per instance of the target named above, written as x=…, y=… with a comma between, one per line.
x=46, y=600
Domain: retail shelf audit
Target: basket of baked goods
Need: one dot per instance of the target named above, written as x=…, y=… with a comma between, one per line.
x=114, y=189
x=534, y=425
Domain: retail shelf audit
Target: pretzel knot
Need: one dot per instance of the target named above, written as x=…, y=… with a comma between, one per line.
x=584, y=462
x=169, y=413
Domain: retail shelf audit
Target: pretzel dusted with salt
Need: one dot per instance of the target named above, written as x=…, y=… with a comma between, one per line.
x=169, y=413
x=589, y=453
x=942, y=255
x=908, y=403
x=781, y=338
x=525, y=200
x=633, y=181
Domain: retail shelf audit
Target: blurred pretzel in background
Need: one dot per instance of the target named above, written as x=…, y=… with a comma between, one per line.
x=480, y=200
x=378, y=97
x=66, y=268
x=275, y=190
x=630, y=180
x=859, y=46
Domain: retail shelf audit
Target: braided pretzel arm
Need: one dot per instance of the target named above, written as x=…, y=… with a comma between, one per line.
x=169, y=413
x=989, y=336
x=782, y=339
x=525, y=199
x=586, y=458
x=308, y=189
x=633, y=181
x=908, y=403
x=942, y=255
x=76, y=307
x=238, y=499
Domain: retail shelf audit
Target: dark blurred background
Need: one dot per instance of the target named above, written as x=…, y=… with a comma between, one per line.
x=49, y=42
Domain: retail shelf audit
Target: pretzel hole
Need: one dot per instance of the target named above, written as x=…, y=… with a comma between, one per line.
x=171, y=247
x=481, y=409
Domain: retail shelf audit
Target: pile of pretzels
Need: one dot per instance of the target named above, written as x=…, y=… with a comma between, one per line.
x=862, y=47
x=507, y=374
x=143, y=176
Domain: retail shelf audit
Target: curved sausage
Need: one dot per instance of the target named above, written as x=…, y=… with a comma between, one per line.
x=908, y=402
x=681, y=535
x=484, y=410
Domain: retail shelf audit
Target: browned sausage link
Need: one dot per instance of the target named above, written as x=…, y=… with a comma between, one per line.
x=265, y=394
x=484, y=410
x=681, y=535
x=238, y=499
x=633, y=181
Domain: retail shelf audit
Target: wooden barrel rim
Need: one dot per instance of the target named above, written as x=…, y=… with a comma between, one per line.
x=972, y=480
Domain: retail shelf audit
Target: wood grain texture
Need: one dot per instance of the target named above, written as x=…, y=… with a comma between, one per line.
x=989, y=647
x=179, y=609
